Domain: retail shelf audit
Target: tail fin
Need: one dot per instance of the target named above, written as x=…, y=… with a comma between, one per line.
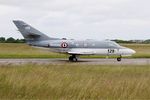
x=29, y=33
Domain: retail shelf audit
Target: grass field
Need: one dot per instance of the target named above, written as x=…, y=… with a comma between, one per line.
x=142, y=50
x=12, y=50
x=74, y=82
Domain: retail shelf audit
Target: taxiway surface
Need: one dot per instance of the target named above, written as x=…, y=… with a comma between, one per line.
x=142, y=61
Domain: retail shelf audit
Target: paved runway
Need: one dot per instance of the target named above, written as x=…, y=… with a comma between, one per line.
x=81, y=61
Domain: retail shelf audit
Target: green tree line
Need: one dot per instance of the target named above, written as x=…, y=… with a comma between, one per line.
x=11, y=40
x=133, y=41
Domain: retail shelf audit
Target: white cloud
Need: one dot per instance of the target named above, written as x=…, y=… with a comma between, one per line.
x=5, y=9
x=97, y=19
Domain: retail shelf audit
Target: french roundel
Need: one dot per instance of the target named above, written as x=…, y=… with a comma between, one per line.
x=64, y=45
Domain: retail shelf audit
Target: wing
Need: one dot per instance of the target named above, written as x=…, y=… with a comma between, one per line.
x=81, y=51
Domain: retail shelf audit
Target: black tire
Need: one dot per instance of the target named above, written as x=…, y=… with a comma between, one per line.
x=70, y=58
x=119, y=59
x=75, y=59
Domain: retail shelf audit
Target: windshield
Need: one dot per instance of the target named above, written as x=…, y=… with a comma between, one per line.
x=113, y=44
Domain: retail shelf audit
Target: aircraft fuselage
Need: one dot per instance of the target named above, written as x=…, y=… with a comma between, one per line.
x=74, y=48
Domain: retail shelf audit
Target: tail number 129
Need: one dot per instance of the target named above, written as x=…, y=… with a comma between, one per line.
x=110, y=51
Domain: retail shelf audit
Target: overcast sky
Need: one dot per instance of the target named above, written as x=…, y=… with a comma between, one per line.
x=79, y=19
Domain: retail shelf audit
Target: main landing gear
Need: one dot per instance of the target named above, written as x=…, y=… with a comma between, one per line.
x=119, y=58
x=73, y=58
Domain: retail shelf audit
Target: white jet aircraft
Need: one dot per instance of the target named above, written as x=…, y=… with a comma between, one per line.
x=74, y=48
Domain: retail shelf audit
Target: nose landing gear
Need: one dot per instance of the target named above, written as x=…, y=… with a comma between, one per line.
x=119, y=58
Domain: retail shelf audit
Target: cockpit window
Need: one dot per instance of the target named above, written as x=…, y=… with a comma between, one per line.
x=113, y=44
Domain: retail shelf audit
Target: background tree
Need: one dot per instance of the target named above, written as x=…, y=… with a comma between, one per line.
x=2, y=39
x=10, y=40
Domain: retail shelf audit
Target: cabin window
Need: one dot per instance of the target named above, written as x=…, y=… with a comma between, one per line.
x=85, y=45
x=93, y=44
x=72, y=43
x=77, y=45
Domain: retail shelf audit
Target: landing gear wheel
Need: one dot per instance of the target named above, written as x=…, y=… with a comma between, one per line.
x=73, y=58
x=119, y=59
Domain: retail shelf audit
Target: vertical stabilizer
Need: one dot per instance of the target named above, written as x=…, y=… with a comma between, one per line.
x=29, y=33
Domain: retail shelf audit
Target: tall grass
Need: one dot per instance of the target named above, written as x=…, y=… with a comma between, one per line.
x=74, y=82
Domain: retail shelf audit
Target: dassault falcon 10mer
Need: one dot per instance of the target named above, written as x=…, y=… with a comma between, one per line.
x=74, y=48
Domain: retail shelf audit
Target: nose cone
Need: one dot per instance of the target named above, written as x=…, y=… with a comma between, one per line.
x=131, y=51
x=127, y=51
